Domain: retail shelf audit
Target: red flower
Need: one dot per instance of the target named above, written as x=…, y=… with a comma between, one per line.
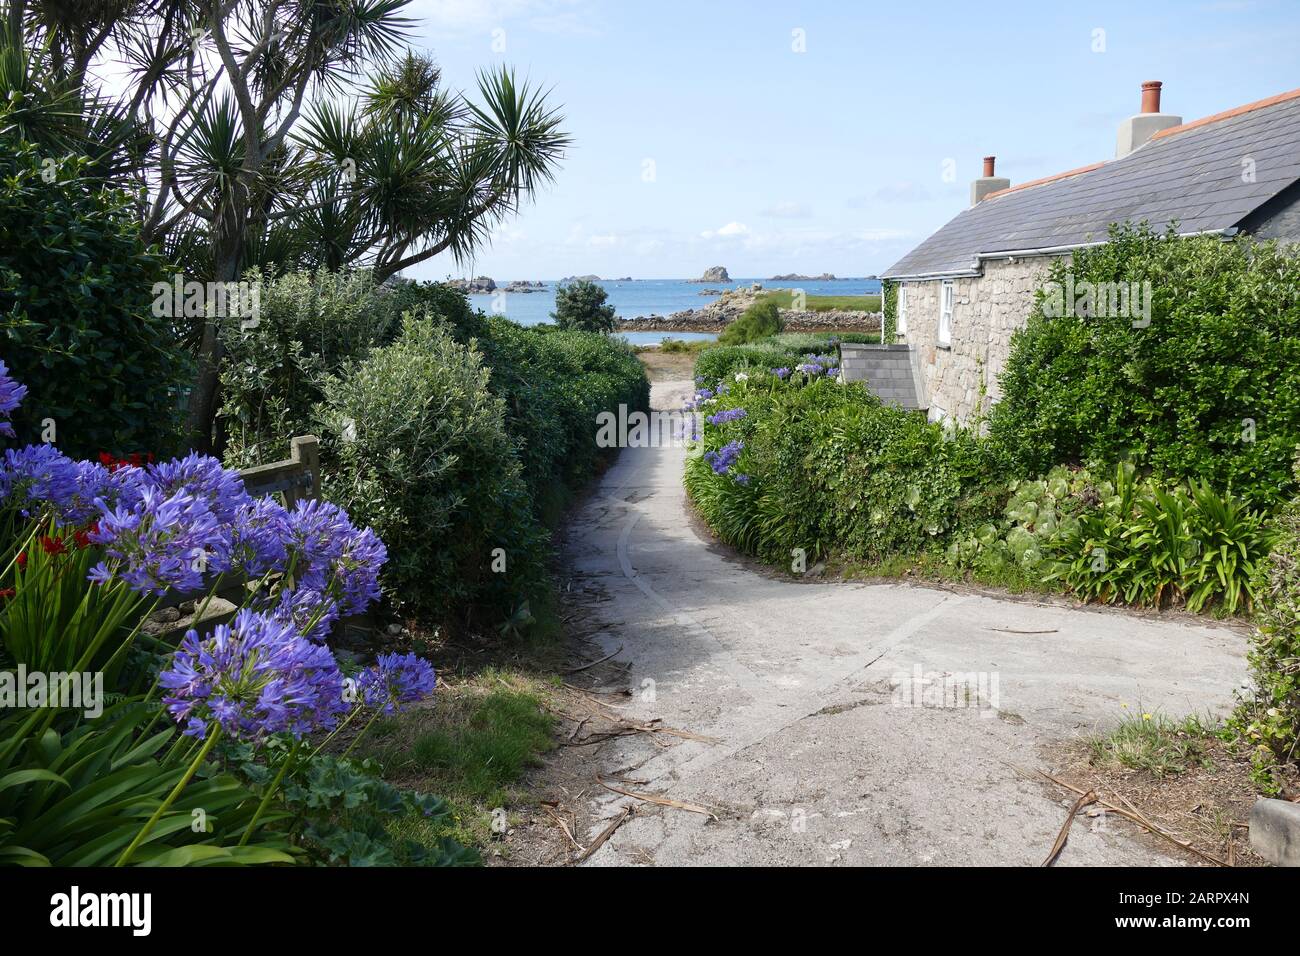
x=82, y=538
x=7, y=593
x=53, y=545
x=22, y=560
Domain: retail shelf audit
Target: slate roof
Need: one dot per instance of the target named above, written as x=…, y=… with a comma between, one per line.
x=1191, y=174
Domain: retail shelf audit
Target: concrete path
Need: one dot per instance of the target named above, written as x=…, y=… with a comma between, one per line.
x=856, y=724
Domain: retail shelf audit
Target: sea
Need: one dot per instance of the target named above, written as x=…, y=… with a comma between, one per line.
x=642, y=297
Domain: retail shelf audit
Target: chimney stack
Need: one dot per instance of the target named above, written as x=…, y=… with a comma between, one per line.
x=988, y=183
x=1136, y=130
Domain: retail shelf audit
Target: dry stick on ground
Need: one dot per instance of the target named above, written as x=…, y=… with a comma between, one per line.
x=608, y=832
x=564, y=828
x=594, y=663
x=661, y=801
x=1131, y=813
x=1083, y=801
x=1011, y=630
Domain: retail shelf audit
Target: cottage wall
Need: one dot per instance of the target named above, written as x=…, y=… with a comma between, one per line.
x=986, y=310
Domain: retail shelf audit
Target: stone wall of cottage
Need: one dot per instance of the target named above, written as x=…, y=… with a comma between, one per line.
x=986, y=310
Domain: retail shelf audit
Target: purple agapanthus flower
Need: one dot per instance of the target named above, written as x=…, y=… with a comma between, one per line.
x=397, y=679
x=160, y=542
x=11, y=396
x=259, y=537
x=252, y=678
x=309, y=612
x=740, y=479
x=206, y=479
x=329, y=555
x=730, y=415
x=781, y=373
x=810, y=368
x=37, y=477
x=833, y=372
x=722, y=459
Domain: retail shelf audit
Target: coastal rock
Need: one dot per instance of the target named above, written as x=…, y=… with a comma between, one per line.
x=795, y=277
x=581, y=279
x=524, y=286
x=714, y=274
x=479, y=285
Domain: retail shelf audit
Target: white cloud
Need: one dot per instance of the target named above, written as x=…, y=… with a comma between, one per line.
x=731, y=230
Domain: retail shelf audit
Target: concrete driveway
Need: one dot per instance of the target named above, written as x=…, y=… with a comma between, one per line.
x=855, y=724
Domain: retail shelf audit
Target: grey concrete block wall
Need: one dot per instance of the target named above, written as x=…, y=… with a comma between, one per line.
x=885, y=369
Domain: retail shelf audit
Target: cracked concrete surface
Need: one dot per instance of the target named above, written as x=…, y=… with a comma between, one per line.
x=856, y=723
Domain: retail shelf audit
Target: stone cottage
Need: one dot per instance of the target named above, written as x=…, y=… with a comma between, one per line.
x=963, y=291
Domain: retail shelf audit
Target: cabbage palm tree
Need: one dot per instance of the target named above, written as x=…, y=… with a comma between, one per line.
x=293, y=132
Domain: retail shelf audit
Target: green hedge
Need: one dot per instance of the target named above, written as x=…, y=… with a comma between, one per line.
x=1269, y=721
x=416, y=446
x=77, y=322
x=828, y=469
x=1210, y=389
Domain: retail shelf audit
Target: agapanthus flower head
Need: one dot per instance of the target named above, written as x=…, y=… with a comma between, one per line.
x=729, y=415
x=204, y=478
x=160, y=542
x=252, y=678
x=11, y=396
x=397, y=679
x=332, y=556
x=810, y=368
x=781, y=373
x=309, y=612
x=740, y=479
x=833, y=372
x=742, y=377
x=722, y=459
x=37, y=478
x=259, y=537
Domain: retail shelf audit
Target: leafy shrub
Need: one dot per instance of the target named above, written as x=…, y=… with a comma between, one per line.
x=415, y=445
x=553, y=384
x=827, y=468
x=311, y=324
x=1210, y=389
x=580, y=306
x=721, y=363
x=76, y=312
x=760, y=320
x=1129, y=540
x=1269, y=722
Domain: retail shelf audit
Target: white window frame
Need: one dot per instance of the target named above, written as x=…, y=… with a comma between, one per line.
x=900, y=310
x=947, y=296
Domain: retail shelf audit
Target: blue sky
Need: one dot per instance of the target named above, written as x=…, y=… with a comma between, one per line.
x=769, y=160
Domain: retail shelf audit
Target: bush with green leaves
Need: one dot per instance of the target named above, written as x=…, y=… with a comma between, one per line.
x=759, y=321
x=414, y=444
x=581, y=306
x=77, y=321
x=1131, y=540
x=826, y=468
x=310, y=325
x=1210, y=389
x=1268, y=722
x=553, y=384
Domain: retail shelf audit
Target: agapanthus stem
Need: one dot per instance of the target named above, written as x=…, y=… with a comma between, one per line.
x=270, y=792
x=171, y=798
x=335, y=732
x=357, y=739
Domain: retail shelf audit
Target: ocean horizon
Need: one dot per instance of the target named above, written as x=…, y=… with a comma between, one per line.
x=638, y=298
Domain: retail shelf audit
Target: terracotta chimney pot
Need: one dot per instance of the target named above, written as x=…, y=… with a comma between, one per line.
x=1151, y=96
x=988, y=166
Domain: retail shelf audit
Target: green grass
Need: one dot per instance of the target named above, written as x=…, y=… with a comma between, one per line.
x=824, y=303
x=472, y=749
x=1155, y=743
